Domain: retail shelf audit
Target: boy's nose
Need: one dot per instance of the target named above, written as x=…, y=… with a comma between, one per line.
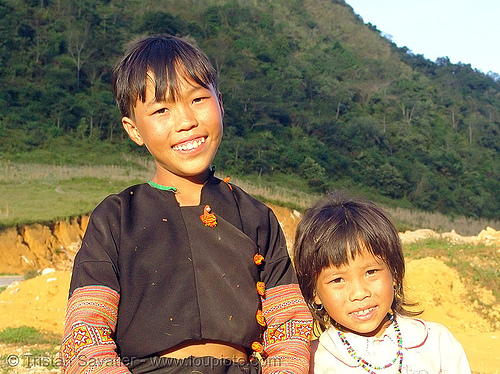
x=185, y=119
x=359, y=291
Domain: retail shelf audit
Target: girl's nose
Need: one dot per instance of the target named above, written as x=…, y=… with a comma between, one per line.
x=359, y=291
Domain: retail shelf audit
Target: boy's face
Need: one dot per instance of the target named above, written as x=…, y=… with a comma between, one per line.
x=358, y=295
x=183, y=136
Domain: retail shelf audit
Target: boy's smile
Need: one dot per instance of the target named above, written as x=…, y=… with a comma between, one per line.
x=182, y=135
x=357, y=296
x=189, y=145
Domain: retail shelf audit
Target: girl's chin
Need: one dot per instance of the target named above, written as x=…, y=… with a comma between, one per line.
x=373, y=331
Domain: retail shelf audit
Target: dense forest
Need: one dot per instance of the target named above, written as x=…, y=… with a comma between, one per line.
x=312, y=94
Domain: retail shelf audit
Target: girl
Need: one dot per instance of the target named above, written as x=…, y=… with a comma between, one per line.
x=350, y=266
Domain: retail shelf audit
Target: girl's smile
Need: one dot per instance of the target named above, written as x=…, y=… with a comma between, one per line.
x=364, y=314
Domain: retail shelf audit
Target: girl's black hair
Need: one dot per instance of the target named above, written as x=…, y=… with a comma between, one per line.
x=168, y=58
x=337, y=229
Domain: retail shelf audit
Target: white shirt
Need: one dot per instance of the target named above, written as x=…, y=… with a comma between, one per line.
x=428, y=348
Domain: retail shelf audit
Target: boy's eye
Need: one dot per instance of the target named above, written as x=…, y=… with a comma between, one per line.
x=198, y=99
x=161, y=111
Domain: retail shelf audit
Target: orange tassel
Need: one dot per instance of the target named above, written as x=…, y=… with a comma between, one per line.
x=226, y=181
x=261, y=288
x=257, y=347
x=208, y=218
x=260, y=318
x=258, y=258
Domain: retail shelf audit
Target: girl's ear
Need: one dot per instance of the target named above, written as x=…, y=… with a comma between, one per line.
x=396, y=287
x=132, y=131
x=317, y=300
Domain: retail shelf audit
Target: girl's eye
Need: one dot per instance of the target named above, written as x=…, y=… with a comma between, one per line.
x=372, y=271
x=336, y=280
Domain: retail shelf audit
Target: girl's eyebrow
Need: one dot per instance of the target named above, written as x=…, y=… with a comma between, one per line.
x=374, y=264
x=333, y=271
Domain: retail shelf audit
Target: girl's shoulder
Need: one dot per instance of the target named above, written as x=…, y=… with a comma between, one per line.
x=417, y=332
x=431, y=344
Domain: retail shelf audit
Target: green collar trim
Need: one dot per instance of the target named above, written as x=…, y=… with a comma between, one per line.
x=161, y=187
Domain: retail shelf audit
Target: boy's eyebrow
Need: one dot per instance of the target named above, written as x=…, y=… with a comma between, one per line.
x=189, y=91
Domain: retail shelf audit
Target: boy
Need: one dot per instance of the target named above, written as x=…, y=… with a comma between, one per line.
x=184, y=273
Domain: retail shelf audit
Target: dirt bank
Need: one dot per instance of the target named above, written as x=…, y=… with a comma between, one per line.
x=40, y=246
x=443, y=297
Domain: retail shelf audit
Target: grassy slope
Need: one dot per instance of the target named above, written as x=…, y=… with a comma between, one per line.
x=45, y=193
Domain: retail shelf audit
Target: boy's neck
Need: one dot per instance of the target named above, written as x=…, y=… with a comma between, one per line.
x=190, y=195
x=188, y=189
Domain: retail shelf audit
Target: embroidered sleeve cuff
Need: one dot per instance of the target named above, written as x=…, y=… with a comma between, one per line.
x=87, y=344
x=288, y=333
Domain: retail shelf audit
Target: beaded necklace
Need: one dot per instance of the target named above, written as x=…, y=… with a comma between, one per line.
x=365, y=364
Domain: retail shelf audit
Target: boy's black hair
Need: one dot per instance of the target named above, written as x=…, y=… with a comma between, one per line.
x=168, y=58
x=337, y=229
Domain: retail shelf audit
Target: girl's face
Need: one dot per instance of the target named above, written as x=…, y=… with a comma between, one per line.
x=358, y=295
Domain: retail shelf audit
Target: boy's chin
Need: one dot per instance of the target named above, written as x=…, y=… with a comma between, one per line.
x=196, y=176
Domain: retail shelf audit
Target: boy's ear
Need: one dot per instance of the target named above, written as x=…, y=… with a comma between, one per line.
x=132, y=131
x=219, y=96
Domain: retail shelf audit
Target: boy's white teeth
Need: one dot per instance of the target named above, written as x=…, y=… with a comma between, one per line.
x=363, y=312
x=189, y=145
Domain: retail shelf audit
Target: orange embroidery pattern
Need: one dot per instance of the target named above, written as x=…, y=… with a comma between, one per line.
x=89, y=326
x=291, y=330
x=289, y=326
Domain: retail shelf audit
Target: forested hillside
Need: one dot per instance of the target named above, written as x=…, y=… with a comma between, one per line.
x=312, y=95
